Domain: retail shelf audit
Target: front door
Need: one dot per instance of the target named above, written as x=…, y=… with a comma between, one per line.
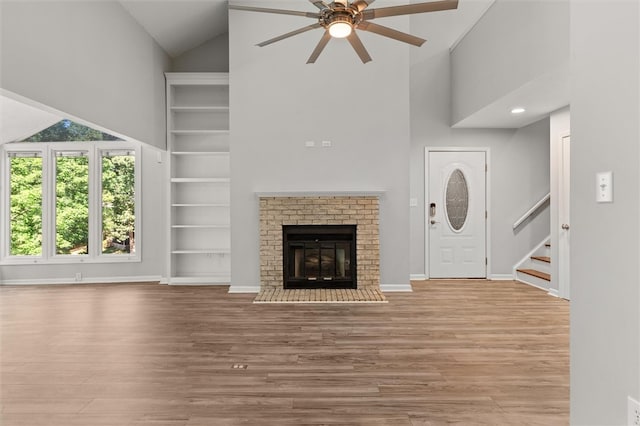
x=456, y=214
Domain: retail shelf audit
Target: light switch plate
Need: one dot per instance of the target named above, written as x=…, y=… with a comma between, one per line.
x=604, y=187
x=309, y=144
x=413, y=202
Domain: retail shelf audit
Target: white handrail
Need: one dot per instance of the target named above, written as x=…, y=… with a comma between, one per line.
x=532, y=210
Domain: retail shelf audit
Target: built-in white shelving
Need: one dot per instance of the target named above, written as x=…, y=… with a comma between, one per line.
x=199, y=178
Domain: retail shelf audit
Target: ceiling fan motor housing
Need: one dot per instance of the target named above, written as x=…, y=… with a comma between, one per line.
x=340, y=17
x=339, y=14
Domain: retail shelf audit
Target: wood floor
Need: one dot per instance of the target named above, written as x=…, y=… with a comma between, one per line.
x=466, y=352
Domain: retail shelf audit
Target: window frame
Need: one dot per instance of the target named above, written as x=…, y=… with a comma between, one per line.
x=48, y=152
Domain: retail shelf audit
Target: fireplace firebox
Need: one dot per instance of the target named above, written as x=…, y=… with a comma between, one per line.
x=319, y=256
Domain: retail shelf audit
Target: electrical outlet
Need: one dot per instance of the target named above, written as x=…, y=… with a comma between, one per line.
x=633, y=412
x=78, y=276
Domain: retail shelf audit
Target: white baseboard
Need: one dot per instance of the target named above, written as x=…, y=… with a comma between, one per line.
x=553, y=292
x=418, y=277
x=85, y=280
x=197, y=284
x=389, y=288
x=501, y=277
x=244, y=289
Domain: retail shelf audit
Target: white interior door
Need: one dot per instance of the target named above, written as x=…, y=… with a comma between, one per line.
x=564, y=236
x=456, y=214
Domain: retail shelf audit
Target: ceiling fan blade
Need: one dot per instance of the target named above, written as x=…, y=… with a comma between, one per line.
x=319, y=4
x=361, y=5
x=279, y=11
x=408, y=9
x=291, y=34
x=357, y=45
x=319, y=48
x=391, y=33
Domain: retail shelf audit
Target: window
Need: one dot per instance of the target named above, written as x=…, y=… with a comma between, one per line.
x=118, y=202
x=75, y=201
x=72, y=202
x=25, y=203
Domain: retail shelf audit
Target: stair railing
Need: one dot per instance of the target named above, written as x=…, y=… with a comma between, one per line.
x=532, y=210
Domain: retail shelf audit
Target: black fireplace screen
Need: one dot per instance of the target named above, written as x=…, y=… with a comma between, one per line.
x=319, y=256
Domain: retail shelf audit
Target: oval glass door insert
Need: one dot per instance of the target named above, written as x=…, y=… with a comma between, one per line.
x=457, y=200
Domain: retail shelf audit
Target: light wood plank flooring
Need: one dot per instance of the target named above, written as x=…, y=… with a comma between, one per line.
x=465, y=352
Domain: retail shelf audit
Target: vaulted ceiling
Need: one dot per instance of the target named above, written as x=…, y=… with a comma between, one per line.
x=179, y=26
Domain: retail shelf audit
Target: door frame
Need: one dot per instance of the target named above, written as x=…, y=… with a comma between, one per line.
x=564, y=250
x=487, y=195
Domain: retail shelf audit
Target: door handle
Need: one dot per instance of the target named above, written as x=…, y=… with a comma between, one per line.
x=565, y=226
x=433, y=222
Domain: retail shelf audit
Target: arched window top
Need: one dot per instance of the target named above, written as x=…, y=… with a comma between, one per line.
x=69, y=131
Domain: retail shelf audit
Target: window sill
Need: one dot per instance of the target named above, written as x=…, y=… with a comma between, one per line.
x=68, y=260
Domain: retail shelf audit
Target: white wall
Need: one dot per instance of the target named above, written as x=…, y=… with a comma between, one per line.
x=152, y=242
x=210, y=56
x=605, y=238
x=88, y=59
x=278, y=102
x=519, y=166
x=92, y=61
x=514, y=43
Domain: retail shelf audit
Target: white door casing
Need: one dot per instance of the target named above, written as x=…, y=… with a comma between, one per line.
x=564, y=233
x=456, y=214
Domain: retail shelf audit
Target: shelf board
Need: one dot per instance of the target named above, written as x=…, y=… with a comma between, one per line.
x=201, y=153
x=201, y=226
x=200, y=180
x=197, y=78
x=202, y=251
x=199, y=132
x=222, y=205
x=195, y=108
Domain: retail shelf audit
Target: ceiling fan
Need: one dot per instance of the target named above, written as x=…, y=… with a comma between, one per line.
x=341, y=18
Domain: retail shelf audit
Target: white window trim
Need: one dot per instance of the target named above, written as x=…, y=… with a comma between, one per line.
x=48, y=151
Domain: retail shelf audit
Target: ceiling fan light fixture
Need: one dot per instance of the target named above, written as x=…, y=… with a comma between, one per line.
x=346, y=18
x=340, y=29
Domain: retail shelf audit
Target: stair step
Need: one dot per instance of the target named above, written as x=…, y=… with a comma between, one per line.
x=546, y=259
x=538, y=274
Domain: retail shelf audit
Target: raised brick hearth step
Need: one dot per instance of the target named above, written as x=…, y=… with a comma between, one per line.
x=320, y=295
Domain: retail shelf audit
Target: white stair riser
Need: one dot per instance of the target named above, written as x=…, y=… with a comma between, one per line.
x=539, y=265
x=534, y=281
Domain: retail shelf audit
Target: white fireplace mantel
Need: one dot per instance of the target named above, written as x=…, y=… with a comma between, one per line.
x=332, y=193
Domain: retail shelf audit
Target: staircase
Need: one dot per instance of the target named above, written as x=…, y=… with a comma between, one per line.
x=536, y=267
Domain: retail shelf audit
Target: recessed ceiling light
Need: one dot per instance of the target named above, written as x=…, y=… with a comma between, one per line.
x=518, y=110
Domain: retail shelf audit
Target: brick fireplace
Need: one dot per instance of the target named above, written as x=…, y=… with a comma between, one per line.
x=359, y=210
